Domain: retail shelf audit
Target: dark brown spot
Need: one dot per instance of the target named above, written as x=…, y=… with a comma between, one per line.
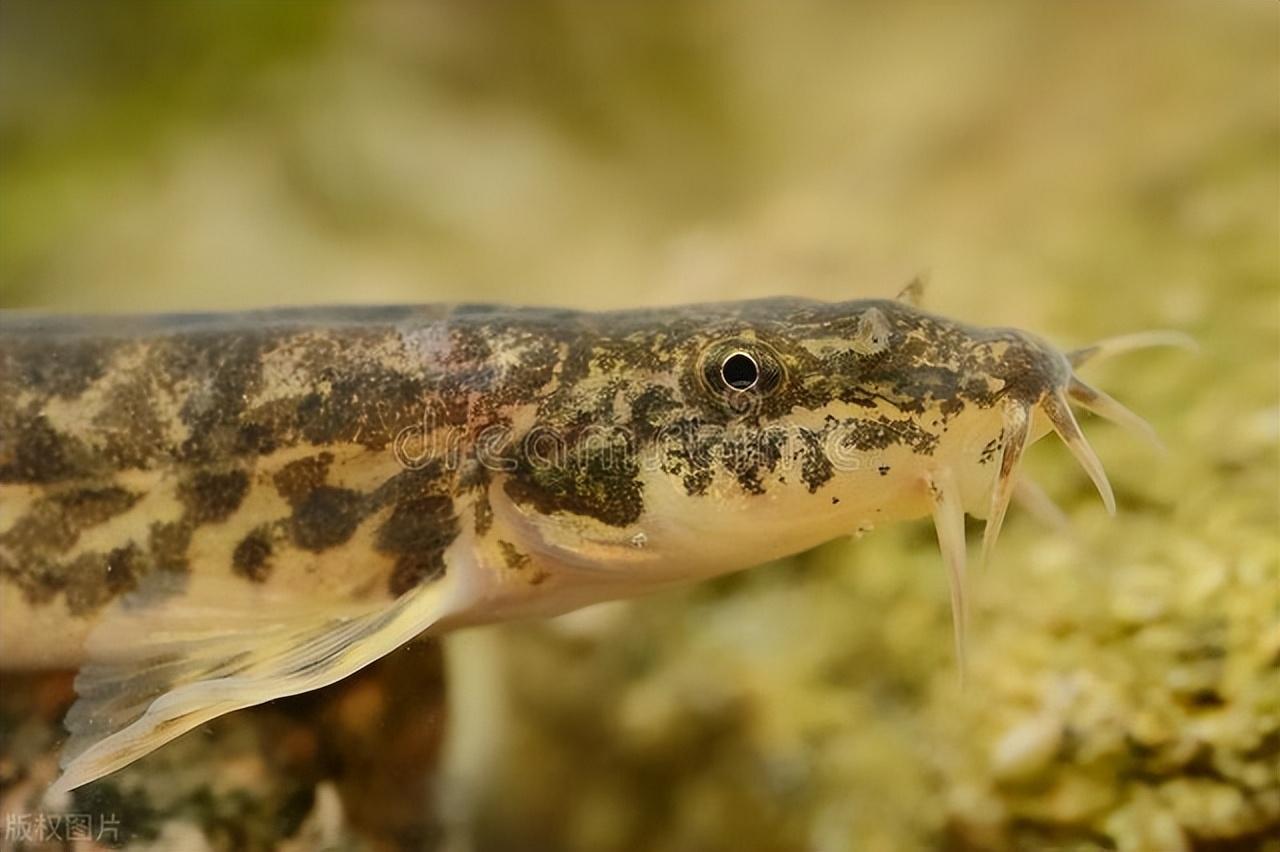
x=255, y=438
x=231, y=366
x=252, y=556
x=413, y=569
x=168, y=543
x=484, y=514
x=92, y=506
x=327, y=517
x=697, y=482
x=418, y=531
x=868, y=435
x=363, y=405
x=31, y=451
x=65, y=368
x=515, y=560
x=420, y=523
x=131, y=429
x=54, y=524
x=815, y=468
x=93, y=579
x=124, y=565
x=210, y=498
x=600, y=482
x=297, y=479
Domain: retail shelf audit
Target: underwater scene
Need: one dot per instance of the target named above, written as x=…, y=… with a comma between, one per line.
x=1048, y=206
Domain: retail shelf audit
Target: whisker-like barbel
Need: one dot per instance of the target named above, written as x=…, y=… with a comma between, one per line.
x=948, y=520
x=1108, y=408
x=1033, y=499
x=1112, y=346
x=1056, y=408
x=1015, y=431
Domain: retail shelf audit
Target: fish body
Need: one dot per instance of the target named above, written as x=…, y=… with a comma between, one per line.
x=210, y=511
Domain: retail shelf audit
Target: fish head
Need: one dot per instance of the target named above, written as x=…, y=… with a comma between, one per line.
x=826, y=420
x=724, y=436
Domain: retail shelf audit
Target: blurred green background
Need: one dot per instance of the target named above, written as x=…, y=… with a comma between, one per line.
x=1076, y=169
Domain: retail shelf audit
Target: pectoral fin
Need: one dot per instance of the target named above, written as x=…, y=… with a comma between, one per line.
x=165, y=660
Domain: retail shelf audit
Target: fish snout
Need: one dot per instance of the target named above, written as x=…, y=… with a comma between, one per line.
x=1031, y=369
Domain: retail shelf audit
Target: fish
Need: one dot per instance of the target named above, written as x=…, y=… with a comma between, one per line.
x=205, y=512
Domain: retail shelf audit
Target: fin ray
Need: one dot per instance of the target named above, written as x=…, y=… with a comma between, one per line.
x=146, y=693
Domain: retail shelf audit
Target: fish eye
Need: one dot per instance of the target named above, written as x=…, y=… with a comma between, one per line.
x=737, y=370
x=740, y=371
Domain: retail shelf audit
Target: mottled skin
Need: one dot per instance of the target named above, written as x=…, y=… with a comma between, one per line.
x=339, y=449
x=209, y=512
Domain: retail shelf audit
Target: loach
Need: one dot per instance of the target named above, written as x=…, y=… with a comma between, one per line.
x=207, y=512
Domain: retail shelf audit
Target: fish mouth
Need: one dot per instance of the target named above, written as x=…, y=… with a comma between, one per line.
x=1054, y=401
x=1043, y=382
